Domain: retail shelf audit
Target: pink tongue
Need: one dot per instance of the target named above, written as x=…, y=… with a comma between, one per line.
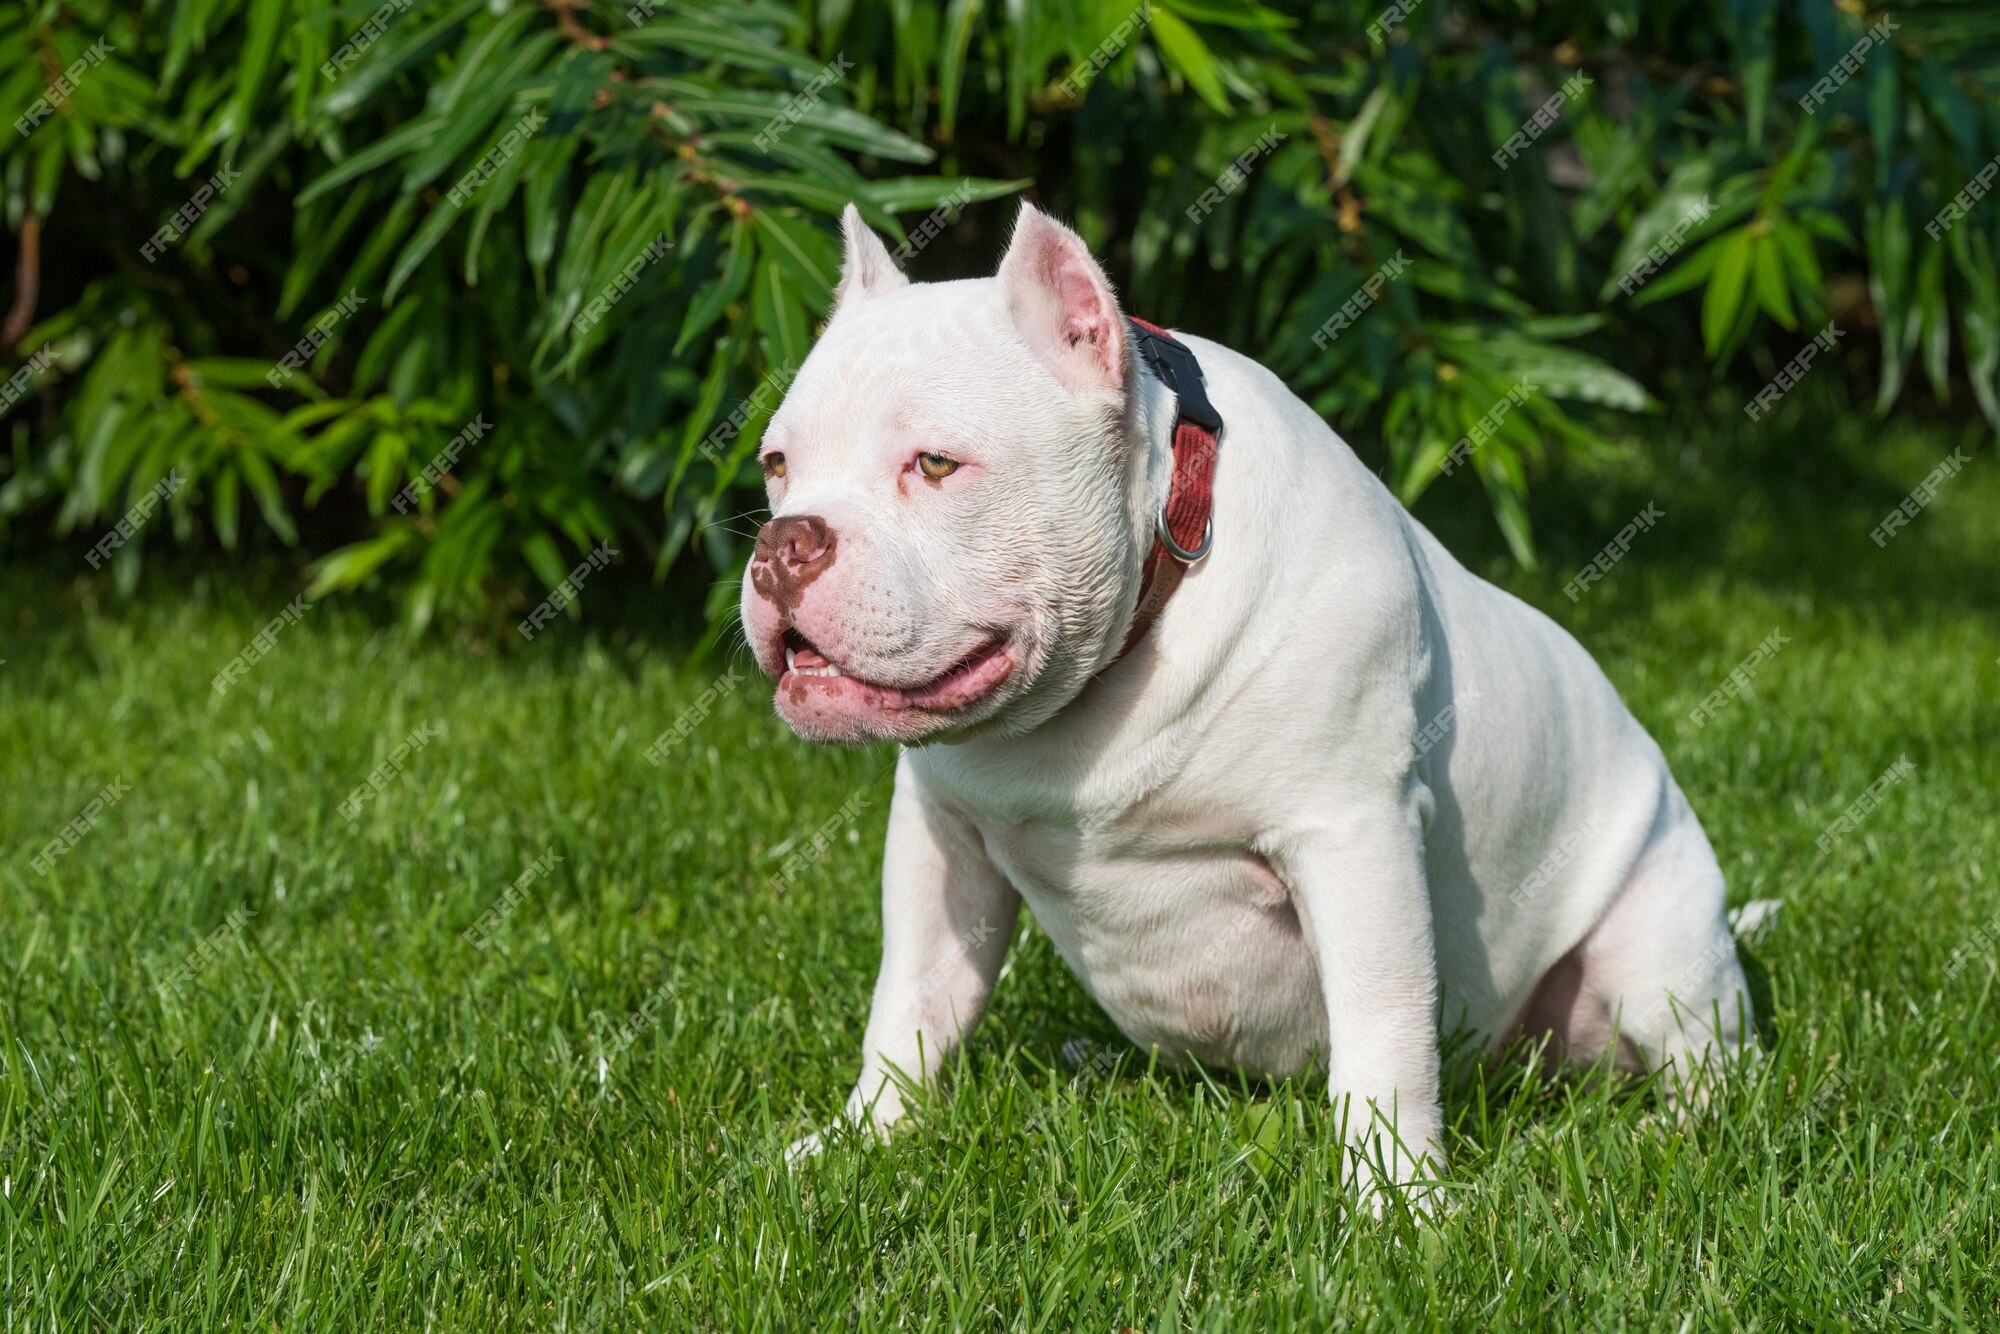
x=808, y=657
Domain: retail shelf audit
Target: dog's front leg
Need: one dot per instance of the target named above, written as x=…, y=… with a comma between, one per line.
x=947, y=917
x=1358, y=880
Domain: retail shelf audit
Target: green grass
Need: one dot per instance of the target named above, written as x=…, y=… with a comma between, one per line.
x=354, y=1117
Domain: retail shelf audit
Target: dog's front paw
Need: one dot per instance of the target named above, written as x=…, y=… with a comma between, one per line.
x=868, y=1115
x=1385, y=1174
x=807, y=1147
x=1424, y=1198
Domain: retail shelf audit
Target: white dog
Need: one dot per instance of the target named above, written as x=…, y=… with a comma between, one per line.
x=1337, y=794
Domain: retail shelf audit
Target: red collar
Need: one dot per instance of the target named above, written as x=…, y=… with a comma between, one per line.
x=1185, y=524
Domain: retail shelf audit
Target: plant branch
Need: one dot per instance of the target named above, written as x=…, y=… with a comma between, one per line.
x=27, y=281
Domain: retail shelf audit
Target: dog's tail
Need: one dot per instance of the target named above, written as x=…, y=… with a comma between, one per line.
x=1753, y=919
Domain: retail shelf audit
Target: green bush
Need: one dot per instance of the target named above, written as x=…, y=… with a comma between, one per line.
x=559, y=258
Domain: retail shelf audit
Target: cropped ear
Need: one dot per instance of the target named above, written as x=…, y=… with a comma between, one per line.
x=866, y=269
x=1062, y=304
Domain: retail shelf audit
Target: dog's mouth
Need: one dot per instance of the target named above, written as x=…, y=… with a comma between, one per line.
x=958, y=687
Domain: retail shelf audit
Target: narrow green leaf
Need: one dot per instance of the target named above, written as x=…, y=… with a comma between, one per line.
x=1185, y=52
x=778, y=314
x=1767, y=274
x=805, y=253
x=1726, y=287
x=719, y=291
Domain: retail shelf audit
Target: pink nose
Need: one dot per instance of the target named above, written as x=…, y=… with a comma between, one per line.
x=791, y=552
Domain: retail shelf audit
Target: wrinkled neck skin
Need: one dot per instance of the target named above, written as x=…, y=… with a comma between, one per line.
x=1107, y=739
x=1092, y=633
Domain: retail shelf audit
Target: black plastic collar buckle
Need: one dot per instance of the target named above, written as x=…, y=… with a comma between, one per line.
x=1174, y=363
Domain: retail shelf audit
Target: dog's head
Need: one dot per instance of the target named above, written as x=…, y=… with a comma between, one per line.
x=954, y=510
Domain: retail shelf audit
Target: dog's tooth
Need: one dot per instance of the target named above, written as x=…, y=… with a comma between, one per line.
x=825, y=669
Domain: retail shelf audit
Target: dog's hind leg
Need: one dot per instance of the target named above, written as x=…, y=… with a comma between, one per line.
x=1661, y=964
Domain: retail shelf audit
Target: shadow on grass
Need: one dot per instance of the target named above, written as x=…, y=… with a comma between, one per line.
x=1051, y=1042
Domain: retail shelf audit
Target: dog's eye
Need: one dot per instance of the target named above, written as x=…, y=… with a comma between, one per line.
x=937, y=466
x=774, y=465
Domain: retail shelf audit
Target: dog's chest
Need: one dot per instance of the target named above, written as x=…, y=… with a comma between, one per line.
x=1185, y=937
